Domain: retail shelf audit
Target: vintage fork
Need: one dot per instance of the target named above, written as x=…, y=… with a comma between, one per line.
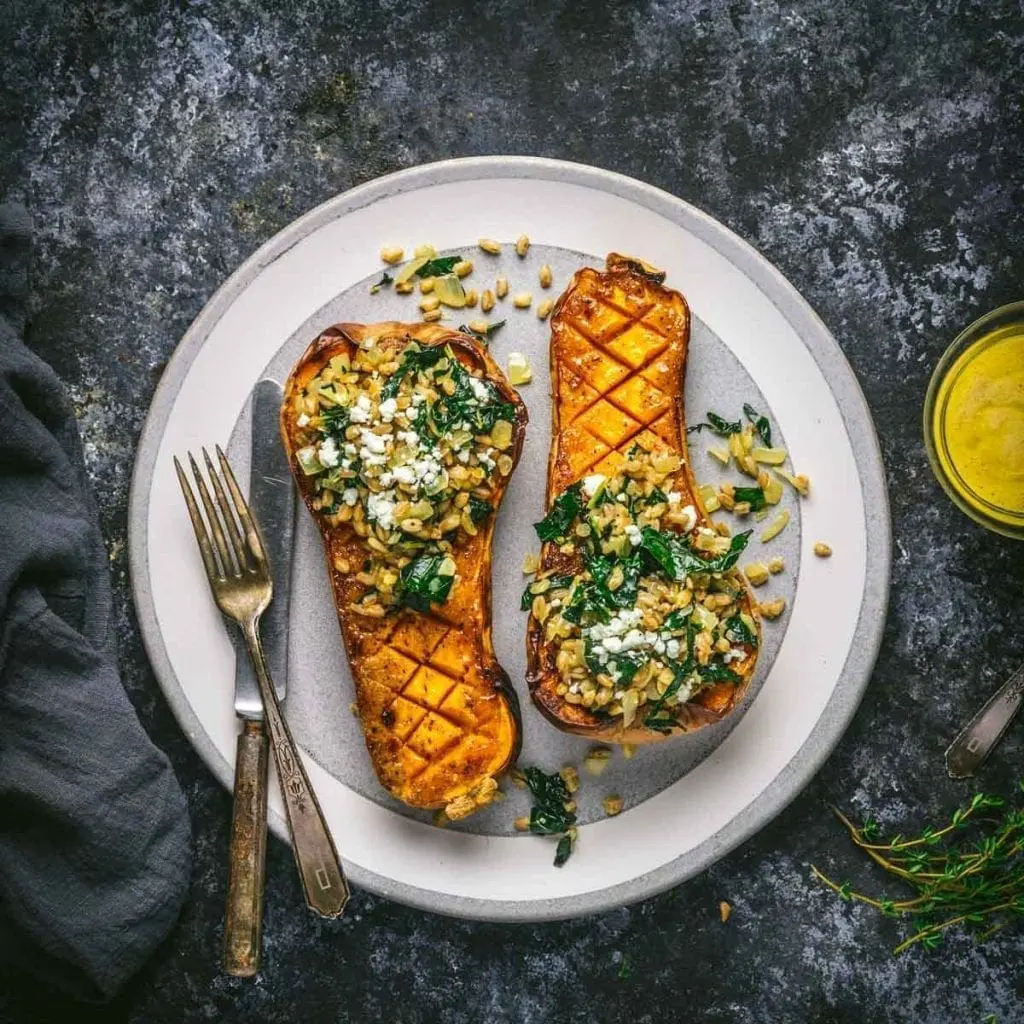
x=239, y=574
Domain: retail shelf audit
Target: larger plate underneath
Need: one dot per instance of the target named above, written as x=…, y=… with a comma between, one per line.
x=689, y=801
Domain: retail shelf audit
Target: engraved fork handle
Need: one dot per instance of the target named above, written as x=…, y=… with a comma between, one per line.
x=323, y=880
x=967, y=753
x=243, y=920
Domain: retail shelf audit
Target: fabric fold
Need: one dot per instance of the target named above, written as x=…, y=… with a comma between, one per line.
x=95, y=848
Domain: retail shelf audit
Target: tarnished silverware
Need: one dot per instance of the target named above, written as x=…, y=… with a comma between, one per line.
x=968, y=752
x=239, y=575
x=272, y=503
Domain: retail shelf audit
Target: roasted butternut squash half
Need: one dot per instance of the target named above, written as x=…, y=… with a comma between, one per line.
x=402, y=439
x=640, y=626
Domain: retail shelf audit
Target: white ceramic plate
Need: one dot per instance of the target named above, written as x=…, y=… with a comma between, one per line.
x=688, y=801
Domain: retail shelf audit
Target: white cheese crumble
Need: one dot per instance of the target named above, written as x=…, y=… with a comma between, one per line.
x=634, y=534
x=381, y=508
x=387, y=409
x=328, y=453
x=302, y=421
x=479, y=390
x=691, y=518
x=591, y=483
x=350, y=496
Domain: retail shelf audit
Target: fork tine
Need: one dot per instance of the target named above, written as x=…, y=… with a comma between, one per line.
x=202, y=537
x=252, y=534
x=213, y=520
x=234, y=534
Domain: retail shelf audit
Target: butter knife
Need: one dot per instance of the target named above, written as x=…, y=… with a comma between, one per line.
x=272, y=500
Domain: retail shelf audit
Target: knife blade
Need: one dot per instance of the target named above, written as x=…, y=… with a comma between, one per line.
x=272, y=500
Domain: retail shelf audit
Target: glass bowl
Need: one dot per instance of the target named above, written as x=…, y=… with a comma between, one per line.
x=1009, y=522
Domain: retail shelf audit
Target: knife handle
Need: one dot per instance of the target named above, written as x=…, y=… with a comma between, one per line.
x=243, y=921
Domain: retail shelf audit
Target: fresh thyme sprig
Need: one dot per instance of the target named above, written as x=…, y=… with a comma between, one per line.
x=970, y=872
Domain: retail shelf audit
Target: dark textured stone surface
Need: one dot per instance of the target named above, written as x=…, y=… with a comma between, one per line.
x=874, y=150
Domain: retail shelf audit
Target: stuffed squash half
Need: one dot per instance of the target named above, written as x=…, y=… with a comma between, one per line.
x=402, y=439
x=640, y=626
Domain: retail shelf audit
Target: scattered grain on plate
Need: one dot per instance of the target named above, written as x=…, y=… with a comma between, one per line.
x=724, y=911
x=463, y=268
x=471, y=297
x=531, y=562
x=756, y=573
x=426, y=285
x=597, y=760
x=544, y=309
x=772, y=609
x=522, y=300
x=518, y=778
x=629, y=751
x=571, y=777
x=501, y=286
x=612, y=804
x=479, y=326
x=404, y=287
x=487, y=301
x=545, y=276
x=429, y=303
x=822, y=550
x=522, y=824
x=354, y=708
x=489, y=245
x=391, y=254
x=522, y=245
x=776, y=565
x=432, y=316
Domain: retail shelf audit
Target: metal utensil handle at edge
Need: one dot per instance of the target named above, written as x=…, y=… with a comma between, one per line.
x=968, y=752
x=323, y=880
x=243, y=921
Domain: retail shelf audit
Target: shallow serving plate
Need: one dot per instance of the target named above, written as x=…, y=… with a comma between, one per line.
x=689, y=800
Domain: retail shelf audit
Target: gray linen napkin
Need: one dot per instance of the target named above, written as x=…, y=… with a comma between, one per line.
x=94, y=835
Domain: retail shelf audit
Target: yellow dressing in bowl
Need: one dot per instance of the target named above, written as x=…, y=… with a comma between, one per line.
x=977, y=424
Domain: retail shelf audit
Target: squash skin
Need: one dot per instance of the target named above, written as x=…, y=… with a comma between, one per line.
x=439, y=714
x=646, y=327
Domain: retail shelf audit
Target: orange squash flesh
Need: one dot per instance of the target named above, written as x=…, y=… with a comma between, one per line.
x=438, y=712
x=619, y=342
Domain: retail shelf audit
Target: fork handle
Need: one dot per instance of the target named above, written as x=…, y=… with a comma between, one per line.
x=243, y=921
x=320, y=871
x=968, y=752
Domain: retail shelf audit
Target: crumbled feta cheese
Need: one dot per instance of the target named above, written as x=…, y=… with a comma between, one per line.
x=591, y=483
x=409, y=437
x=328, y=453
x=387, y=409
x=374, y=442
x=479, y=389
x=612, y=644
x=350, y=496
x=659, y=646
x=672, y=648
x=360, y=412
x=634, y=534
x=463, y=456
x=387, y=478
x=404, y=474
x=733, y=654
x=691, y=518
x=417, y=398
x=674, y=497
x=351, y=451
x=302, y=421
x=381, y=508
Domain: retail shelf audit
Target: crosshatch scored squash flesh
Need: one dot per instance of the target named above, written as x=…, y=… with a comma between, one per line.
x=402, y=439
x=640, y=626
